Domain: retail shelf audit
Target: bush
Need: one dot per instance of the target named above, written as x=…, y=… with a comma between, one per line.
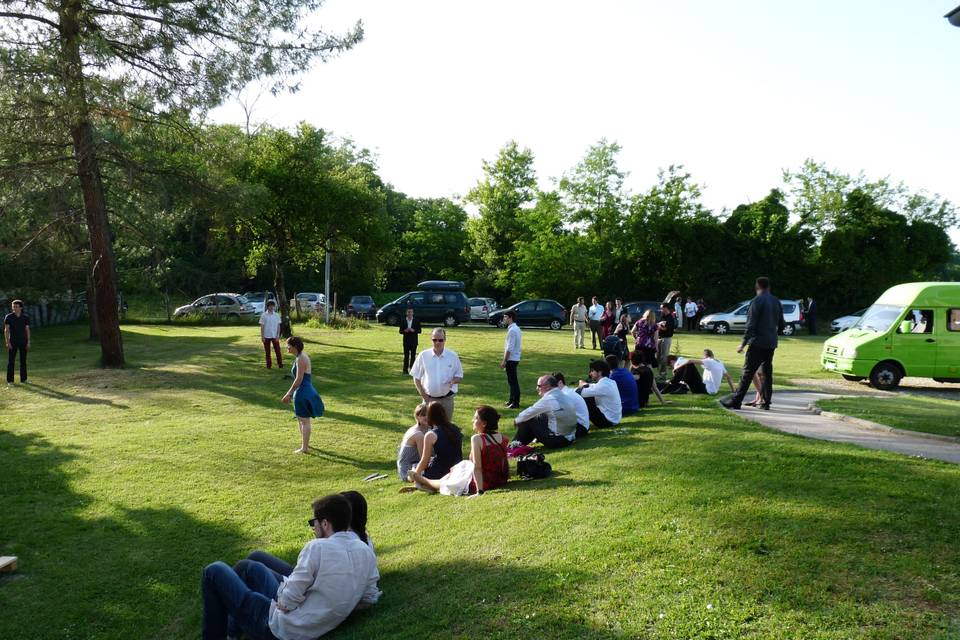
x=338, y=323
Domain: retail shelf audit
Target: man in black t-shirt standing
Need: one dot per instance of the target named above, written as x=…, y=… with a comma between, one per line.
x=16, y=335
x=666, y=326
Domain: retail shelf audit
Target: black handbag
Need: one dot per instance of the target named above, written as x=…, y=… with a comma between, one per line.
x=533, y=466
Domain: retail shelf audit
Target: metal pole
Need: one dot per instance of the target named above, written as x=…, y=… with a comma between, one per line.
x=326, y=287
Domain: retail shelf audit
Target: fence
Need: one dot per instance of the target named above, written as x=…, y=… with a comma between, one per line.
x=46, y=314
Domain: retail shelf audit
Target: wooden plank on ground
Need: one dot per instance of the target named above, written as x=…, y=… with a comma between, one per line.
x=8, y=564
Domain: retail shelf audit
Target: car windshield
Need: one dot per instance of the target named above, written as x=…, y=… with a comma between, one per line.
x=253, y=297
x=733, y=308
x=243, y=299
x=361, y=300
x=879, y=317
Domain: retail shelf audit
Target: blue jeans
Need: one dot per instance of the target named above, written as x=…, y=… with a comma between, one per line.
x=240, y=596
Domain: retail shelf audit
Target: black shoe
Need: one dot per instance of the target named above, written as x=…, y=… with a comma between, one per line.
x=512, y=405
x=730, y=404
x=765, y=407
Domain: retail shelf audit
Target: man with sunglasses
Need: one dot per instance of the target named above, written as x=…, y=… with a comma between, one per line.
x=437, y=372
x=335, y=574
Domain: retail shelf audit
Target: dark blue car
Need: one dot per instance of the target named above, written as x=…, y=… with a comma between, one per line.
x=534, y=313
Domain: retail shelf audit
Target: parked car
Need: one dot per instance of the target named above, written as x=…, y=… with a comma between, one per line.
x=539, y=313
x=310, y=302
x=259, y=299
x=912, y=329
x=845, y=322
x=436, y=301
x=362, y=307
x=230, y=305
x=637, y=309
x=734, y=319
x=481, y=308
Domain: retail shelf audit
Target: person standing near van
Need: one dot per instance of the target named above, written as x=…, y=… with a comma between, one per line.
x=270, y=333
x=437, y=372
x=578, y=320
x=410, y=330
x=764, y=323
x=16, y=335
x=511, y=357
x=594, y=314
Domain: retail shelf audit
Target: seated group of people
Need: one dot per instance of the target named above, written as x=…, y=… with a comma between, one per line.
x=265, y=598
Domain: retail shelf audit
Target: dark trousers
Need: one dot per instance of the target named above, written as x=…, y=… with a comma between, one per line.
x=242, y=595
x=275, y=342
x=757, y=358
x=11, y=359
x=596, y=332
x=409, y=355
x=812, y=325
x=582, y=431
x=536, y=428
x=512, y=381
x=685, y=375
x=280, y=568
x=596, y=416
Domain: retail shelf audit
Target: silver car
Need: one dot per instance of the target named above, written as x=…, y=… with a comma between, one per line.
x=734, y=319
x=310, y=302
x=846, y=322
x=481, y=308
x=228, y=305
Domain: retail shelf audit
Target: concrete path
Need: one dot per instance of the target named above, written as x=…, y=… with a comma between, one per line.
x=791, y=413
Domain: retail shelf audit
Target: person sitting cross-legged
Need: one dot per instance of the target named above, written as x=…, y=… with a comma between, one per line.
x=602, y=396
x=579, y=404
x=335, y=574
x=626, y=386
x=551, y=420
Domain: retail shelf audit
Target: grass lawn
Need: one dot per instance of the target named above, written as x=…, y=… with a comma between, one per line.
x=119, y=486
x=916, y=413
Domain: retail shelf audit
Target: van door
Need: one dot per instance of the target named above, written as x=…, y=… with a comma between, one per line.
x=948, y=345
x=916, y=349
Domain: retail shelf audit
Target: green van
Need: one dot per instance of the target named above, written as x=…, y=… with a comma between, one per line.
x=911, y=330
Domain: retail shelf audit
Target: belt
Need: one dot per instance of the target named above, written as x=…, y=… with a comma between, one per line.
x=442, y=397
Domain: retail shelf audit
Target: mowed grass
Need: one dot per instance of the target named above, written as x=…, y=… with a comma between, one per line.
x=119, y=486
x=915, y=413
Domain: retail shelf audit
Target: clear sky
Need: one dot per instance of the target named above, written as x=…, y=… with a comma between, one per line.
x=736, y=91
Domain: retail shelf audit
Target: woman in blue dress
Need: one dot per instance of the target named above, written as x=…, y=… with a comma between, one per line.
x=306, y=401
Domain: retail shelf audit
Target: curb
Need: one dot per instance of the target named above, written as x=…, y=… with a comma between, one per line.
x=876, y=426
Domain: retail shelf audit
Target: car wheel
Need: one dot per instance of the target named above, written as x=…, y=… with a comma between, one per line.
x=555, y=325
x=789, y=329
x=722, y=328
x=885, y=376
x=847, y=376
x=450, y=320
x=393, y=320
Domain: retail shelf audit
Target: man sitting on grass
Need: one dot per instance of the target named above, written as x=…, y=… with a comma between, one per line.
x=686, y=377
x=551, y=420
x=602, y=396
x=335, y=574
x=583, y=414
x=626, y=385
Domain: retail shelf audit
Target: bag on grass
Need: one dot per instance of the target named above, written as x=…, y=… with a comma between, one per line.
x=533, y=466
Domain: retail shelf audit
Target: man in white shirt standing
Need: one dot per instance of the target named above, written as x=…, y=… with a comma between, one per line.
x=437, y=372
x=578, y=320
x=602, y=396
x=270, y=333
x=335, y=574
x=593, y=314
x=551, y=420
x=511, y=358
x=690, y=311
x=579, y=404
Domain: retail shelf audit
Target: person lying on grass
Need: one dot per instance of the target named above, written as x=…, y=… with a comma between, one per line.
x=488, y=458
x=411, y=445
x=335, y=574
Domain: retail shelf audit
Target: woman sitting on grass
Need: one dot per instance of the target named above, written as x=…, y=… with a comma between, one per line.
x=411, y=446
x=488, y=457
x=441, y=446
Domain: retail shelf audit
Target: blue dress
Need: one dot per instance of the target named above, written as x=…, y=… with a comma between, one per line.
x=306, y=400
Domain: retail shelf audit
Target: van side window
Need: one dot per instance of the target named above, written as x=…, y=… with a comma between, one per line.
x=953, y=320
x=436, y=298
x=921, y=319
x=415, y=300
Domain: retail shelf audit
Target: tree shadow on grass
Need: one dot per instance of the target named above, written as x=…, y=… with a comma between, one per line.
x=69, y=397
x=131, y=574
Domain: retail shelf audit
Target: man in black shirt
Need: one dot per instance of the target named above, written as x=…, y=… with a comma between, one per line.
x=764, y=323
x=667, y=325
x=16, y=335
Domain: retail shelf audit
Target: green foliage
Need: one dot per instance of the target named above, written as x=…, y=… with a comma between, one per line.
x=338, y=323
x=433, y=242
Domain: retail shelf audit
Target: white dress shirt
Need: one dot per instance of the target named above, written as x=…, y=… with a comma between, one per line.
x=270, y=321
x=333, y=575
x=690, y=309
x=595, y=311
x=578, y=313
x=512, y=342
x=713, y=371
x=435, y=372
x=560, y=411
x=580, y=405
x=607, y=395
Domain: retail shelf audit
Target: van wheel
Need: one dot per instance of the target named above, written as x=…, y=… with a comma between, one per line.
x=393, y=320
x=450, y=320
x=555, y=325
x=850, y=378
x=789, y=329
x=885, y=376
x=722, y=328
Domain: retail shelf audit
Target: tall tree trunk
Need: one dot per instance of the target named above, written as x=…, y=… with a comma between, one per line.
x=92, y=306
x=280, y=287
x=91, y=185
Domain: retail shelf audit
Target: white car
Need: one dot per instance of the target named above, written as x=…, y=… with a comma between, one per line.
x=735, y=318
x=481, y=308
x=310, y=302
x=846, y=322
x=228, y=305
x=259, y=299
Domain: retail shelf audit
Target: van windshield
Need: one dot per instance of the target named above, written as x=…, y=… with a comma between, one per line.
x=879, y=317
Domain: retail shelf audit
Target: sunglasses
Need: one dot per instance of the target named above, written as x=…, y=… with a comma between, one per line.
x=439, y=340
x=312, y=522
